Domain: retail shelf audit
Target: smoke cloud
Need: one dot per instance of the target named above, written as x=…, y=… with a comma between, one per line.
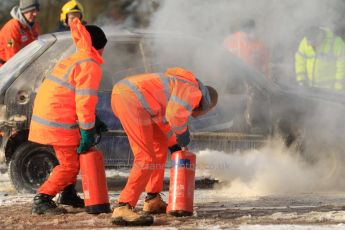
x=273, y=169
x=280, y=24
x=316, y=166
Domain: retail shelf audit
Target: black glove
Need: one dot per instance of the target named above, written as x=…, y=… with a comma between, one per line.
x=174, y=148
x=100, y=125
x=183, y=139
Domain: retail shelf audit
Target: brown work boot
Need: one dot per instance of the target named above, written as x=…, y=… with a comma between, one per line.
x=154, y=204
x=125, y=216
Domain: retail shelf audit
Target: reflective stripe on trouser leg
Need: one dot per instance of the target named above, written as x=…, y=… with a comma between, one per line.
x=160, y=144
x=134, y=119
x=63, y=174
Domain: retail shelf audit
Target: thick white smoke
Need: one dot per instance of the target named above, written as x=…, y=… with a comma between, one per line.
x=280, y=24
x=272, y=169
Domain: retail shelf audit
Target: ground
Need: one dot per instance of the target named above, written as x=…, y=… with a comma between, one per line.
x=214, y=209
x=267, y=196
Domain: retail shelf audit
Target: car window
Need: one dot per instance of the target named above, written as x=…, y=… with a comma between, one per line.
x=13, y=67
x=121, y=59
x=42, y=65
x=28, y=81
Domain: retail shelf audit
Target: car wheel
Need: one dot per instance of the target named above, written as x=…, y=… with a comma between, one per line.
x=30, y=166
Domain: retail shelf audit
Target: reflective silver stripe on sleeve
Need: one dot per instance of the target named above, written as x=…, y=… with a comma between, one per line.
x=86, y=92
x=185, y=81
x=61, y=82
x=53, y=123
x=165, y=83
x=77, y=63
x=139, y=95
x=181, y=102
x=304, y=55
x=169, y=134
x=326, y=57
x=179, y=128
x=86, y=125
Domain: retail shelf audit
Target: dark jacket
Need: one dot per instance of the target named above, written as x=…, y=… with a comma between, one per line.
x=61, y=27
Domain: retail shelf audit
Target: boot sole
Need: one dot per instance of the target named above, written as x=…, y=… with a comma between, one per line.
x=122, y=222
x=154, y=212
x=180, y=213
x=70, y=205
x=60, y=212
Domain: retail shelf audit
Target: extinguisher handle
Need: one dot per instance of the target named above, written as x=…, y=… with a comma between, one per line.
x=184, y=149
x=98, y=138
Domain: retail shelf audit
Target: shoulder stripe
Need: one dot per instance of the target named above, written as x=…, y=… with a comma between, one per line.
x=139, y=95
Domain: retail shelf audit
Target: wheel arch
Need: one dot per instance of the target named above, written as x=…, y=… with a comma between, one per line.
x=13, y=142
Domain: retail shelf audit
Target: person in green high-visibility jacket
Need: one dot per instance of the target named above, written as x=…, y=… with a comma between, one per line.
x=320, y=60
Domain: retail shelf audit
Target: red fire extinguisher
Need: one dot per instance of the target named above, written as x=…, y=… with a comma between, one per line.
x=182, y=184
x=94, y=182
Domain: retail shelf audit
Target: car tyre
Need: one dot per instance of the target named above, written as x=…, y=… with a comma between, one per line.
x=30, y=166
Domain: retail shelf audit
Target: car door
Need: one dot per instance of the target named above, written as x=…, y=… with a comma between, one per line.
x=122, y=58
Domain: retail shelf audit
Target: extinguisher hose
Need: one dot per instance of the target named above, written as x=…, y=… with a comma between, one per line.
x=98, y=138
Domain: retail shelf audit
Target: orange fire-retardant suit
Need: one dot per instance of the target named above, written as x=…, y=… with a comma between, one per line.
x=152, y=108
x=16, y=34
x=252, y=51
x=65, y=102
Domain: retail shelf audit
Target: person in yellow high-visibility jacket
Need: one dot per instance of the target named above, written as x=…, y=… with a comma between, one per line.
x=320, y=60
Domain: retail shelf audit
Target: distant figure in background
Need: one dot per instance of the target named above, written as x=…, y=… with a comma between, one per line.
x=19, y=31
x=69, y=11
x=320, y=60
x=246, y=45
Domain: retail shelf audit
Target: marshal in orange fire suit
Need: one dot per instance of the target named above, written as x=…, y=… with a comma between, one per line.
x=65, y=103
x=246, y=45
x=154, y=109
x=16, y=34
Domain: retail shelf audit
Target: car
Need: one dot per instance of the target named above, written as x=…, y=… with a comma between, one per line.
x=250, y=109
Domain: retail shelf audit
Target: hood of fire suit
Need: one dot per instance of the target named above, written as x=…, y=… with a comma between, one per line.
x=17, y=14
x=182, y=73
x=82, y=40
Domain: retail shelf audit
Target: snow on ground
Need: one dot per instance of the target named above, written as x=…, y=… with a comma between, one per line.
x=5, y=184
x=214, y=209
x=291, y=227
x=270, y=188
